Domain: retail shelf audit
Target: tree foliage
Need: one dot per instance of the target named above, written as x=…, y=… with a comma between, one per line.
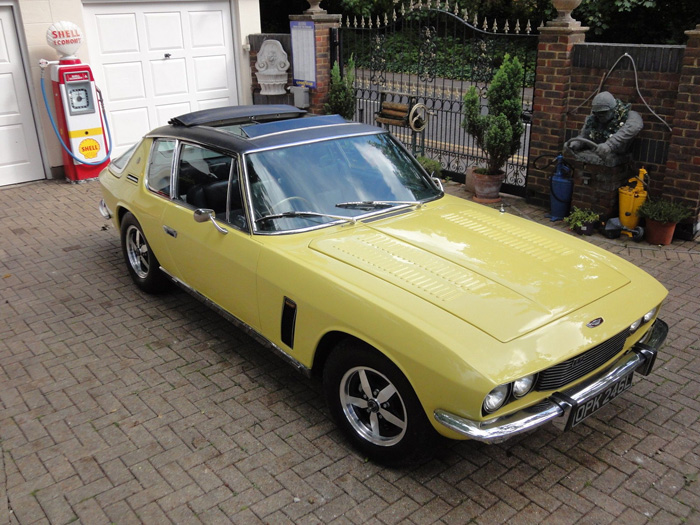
x=612, y=21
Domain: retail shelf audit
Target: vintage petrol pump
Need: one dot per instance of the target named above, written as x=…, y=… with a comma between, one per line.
x=80, y=124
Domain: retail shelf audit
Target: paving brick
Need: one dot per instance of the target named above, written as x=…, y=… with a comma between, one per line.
x=116, y=406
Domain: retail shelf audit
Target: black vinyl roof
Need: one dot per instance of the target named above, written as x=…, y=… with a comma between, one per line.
x=237, y=115
x=261, y=127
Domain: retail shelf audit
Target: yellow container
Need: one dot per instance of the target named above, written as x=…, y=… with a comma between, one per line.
x=632, y=198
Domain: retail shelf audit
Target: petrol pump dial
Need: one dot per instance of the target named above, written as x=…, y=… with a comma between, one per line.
x=79, y=99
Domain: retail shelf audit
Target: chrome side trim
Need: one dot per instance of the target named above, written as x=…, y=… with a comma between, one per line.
x=640, y=359
x=104, y=210
x=240, y=324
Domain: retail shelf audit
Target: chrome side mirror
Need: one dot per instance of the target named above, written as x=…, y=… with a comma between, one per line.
x=207, y=214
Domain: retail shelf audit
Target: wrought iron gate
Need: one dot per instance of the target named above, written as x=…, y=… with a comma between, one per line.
x=432, y=55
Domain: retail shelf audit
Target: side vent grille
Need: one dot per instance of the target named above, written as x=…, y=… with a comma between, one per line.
x=289, y=319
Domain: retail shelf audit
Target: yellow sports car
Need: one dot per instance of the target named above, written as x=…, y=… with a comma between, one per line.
x=422, y=313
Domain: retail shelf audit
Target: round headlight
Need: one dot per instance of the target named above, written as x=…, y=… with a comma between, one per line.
x=634, y=326
x=523, y=385
x=495, y=399
x=650, y=314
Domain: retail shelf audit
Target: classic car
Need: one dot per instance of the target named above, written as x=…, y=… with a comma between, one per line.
x=423, y=314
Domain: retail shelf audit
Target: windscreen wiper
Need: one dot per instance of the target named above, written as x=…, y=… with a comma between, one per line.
x=296, y=214
x=376, y=205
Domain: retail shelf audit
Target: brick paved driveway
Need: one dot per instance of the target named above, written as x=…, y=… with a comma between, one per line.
x=127, y=408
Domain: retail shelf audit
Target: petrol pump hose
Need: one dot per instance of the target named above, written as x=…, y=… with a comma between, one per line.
x=55, y=128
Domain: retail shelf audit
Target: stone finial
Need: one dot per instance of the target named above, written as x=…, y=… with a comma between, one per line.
x=314, y=8
x=272, y=66
x=564, y=8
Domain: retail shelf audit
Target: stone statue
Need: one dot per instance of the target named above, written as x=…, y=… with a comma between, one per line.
x=607, y=133
x=272, y=66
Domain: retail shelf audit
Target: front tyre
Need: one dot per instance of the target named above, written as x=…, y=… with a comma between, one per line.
x=140, y=260
x=375, y=406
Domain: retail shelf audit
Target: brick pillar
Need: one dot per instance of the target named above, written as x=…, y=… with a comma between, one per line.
x=682, y=178
x=554, y=49
x=323, y=23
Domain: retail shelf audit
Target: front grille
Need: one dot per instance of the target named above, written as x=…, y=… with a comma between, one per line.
x=577, y=367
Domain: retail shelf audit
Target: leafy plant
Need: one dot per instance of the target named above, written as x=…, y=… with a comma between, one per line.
x=341, y=95
x=579, y=217
x=498, y=132
x=432, y=166
x=663, y=211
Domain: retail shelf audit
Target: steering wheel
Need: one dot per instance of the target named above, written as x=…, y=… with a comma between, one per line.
x=290, y=199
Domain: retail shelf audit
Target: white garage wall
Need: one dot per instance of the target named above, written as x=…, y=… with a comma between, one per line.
x=38, y=15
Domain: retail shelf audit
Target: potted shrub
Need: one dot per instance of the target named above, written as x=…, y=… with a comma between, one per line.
x=431, y=166
x=497, y=133
x=341, y=94
x=582, y=221
x=661, y=217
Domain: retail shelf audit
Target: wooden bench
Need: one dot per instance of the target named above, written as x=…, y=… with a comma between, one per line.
x=393, y=113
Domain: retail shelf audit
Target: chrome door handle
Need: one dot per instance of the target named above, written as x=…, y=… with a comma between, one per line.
x=170, y=231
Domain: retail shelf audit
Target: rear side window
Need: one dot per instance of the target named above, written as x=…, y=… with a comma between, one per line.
x=120, y=162
x=160, y=166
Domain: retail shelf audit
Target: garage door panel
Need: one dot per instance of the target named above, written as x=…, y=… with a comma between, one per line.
x=213, y=103
x=169, y=77
x=207, y=28
x=199, y=73
x=9, y=105
x=128, y=126
x=124, y=81
x=211, y=73
x=167, y=111
x=13, y=146
x=20, y=156
x=117, y=33
x=164, y=31
x=4, y=52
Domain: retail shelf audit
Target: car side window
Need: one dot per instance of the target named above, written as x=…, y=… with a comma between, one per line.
x=202, y=181
x=160, y=166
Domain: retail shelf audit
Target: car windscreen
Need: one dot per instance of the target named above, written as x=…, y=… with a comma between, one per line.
x=303, y=186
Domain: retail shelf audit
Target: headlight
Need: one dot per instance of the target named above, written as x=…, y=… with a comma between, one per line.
x=634, y=326
x=523, y=385
x=650, y=314
x=495, y=399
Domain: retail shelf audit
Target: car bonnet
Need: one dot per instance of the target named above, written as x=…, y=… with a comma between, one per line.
x=504, y=275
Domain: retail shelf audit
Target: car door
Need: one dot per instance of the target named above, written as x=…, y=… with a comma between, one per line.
x=217, y=260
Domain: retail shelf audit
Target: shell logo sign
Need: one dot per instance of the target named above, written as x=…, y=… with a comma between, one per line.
x=64, y=37
x=89, y=148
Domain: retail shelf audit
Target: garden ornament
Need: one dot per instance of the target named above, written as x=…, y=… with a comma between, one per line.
x=607, y=133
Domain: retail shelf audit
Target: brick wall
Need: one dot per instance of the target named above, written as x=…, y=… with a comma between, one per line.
x=569, y=71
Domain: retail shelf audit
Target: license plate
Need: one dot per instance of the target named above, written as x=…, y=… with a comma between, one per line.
x=586, y=408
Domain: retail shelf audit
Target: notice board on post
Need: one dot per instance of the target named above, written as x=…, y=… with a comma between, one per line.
x=304, y=53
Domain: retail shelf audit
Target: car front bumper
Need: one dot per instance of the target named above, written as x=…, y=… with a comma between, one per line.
x=560, y=406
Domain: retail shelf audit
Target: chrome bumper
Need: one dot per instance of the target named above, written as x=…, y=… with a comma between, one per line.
x=557, y=408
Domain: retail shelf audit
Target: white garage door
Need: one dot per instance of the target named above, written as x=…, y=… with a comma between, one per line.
x=20, y=158
x=156, y=60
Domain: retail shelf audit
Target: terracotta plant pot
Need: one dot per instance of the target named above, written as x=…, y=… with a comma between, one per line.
x=660, y=233
x=487, y=187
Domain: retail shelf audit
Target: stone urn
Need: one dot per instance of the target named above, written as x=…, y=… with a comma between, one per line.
x=314, y=7
x=272, y=66
x=564, y=8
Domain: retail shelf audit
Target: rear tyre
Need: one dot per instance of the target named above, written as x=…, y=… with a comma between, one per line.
x=142, y=264
x=375, y=406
